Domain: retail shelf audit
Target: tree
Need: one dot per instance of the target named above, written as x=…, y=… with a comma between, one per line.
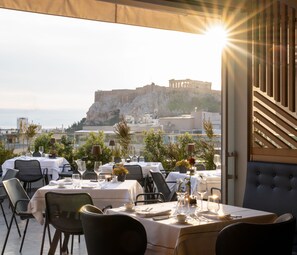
x=123, y=134
x=206, y=148
x=85, y=150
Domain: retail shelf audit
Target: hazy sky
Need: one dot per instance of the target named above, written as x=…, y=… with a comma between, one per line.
x=49, y=62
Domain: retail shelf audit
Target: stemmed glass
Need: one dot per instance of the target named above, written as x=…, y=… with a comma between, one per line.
x=202, y=190
x=97, y=169
x=41, y=150
x=82, y=168
x=32, y=149
x=217, y=160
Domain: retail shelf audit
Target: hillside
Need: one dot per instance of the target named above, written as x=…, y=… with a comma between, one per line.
x=157, y=100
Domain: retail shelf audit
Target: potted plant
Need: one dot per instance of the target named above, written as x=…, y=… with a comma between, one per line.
x=120, y=171
x=117, y=154
x=183, y=165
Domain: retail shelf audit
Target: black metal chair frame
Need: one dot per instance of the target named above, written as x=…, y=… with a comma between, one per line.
x=135, y=173
x=162, y=186
x=149, y=198
x=19, y=200
x=68, y=215
x=30, y=171
x=10, y=173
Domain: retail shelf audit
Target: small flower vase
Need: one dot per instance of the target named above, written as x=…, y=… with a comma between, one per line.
x=121, y=177
x=182, y=169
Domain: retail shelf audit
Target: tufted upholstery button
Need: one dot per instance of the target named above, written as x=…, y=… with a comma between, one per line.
x=290, y=176
x=272, y=186
x=258, y=173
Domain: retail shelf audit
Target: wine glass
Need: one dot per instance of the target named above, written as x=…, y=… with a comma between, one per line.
x=32, y=149
x=97, y=169
x=41, y=150
x=82, y=168
x=217, y=160
x=202, y=190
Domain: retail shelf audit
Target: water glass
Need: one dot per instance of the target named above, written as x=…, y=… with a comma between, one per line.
x=182, y=204
x=76, y=181
x=213, y=204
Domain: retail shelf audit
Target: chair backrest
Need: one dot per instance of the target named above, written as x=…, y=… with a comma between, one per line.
x=90, y=175
x=272, y=187
x=15, y=193
x=112, y=234
x=162, y=186
x=135, y=173
x=36, y=154
x=29, y=170
x=62, y=210
x=10, y=173
x=251, y=238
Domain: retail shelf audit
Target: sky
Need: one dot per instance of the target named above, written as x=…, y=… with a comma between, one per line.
x=56, y=63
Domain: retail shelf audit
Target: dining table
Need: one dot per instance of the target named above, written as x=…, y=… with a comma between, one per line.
x=196, y=235
x=103, y=194
x=54, y=166
x=145, y=166
x=210, y=178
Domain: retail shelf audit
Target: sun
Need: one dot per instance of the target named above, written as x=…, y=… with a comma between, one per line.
x=217, y=35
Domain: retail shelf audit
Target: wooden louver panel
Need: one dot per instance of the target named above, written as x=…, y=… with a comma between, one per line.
x=273, y=76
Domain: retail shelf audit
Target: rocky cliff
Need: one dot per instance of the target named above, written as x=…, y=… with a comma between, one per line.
x=152, y=99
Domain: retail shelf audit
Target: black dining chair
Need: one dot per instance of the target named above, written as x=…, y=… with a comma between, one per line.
x=112, y=234
x=30, y=171
x=67, y=171
x=10, y=173
x=18, y=199
x=135, y=173
x=257, y=239
x=162, y=186
x=62, y=212
x=149, y=198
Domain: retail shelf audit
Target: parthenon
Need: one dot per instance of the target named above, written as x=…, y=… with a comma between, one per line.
x=188, y=83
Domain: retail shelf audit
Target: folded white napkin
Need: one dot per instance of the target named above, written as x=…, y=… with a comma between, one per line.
x=52, y=183
x=215, y=216
x=152, y=213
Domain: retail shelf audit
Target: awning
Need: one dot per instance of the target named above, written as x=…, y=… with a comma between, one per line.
x=169, y=15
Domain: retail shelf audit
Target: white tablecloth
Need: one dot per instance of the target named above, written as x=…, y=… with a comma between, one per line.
x=167, y=237
x=212, y=178
x=115, y=194
x=146, y=167
x=54, y=165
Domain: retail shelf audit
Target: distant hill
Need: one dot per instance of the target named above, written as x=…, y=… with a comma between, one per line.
x=152, y=99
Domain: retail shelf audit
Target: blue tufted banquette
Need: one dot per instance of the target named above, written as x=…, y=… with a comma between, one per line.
x=272, y=187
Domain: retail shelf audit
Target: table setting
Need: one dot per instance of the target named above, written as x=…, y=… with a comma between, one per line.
x=103, y=193
x=179, y=229
x=53, y=165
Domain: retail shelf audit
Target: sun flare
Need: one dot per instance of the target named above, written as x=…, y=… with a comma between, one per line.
x=217, y=35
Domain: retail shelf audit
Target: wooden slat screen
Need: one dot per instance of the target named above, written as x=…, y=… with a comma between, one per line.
x=273, y=75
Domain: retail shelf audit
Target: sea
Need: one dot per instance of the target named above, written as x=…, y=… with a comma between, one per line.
x=48, y=119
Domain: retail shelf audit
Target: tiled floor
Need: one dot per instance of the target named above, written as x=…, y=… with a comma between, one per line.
x=33, y=237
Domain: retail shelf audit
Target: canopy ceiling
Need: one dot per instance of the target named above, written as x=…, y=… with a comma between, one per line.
x=186, y=16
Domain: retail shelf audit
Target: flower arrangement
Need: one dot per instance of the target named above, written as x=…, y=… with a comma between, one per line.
x=191, y=160
x=119, y=169
x=183, y=163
